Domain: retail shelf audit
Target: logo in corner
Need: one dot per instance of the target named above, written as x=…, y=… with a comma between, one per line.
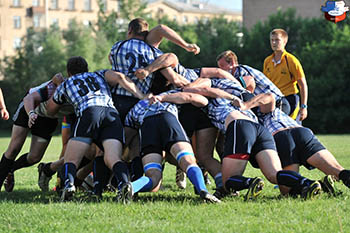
x=335, y=11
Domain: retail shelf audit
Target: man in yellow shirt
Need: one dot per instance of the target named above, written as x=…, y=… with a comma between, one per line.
x=285, y=71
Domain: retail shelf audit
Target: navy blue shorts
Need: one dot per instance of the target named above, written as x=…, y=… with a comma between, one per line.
x=293, y=101
x=159, y=132
x=123, y=104
x=99, y=123
x=44, y=127
x=247, y=137
x=296, y=145
x=193, y=119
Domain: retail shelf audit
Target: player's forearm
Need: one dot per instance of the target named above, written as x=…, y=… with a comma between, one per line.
x=2, y=101
x=303, y=91
x=212, y=72
x=265, y=101
x=31, y=101
x=209, y=92
x=162, y=31
x=163, y=61
x=185, y=97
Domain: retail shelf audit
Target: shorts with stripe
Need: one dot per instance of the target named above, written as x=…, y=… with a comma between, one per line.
x=247, y=137
x=44, y=127
x=159, y=132
x=296, y=146
x=193, y=119
x=123, y=104
x=99, y=123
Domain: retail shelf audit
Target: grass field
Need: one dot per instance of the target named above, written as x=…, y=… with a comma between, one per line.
x=27, y=209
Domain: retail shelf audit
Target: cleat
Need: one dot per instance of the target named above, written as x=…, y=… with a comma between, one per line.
x=9, y=182
x=254, y=189
x=43, y=180
x=180, y=178
x=68, y=192
x=311, y=191
x=328, y=185
x=207, y=197
x=221, y=193
x=88, y=183
x=125, y=195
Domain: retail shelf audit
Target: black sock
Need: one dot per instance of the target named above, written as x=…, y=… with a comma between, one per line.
x=293, y=180
x=21, y=162
x=69, y=172
x=85, y=161
x=120, y=171
x=101, y=175
x=237, y=183
x=47, y=170
x=344, y=176
x=5, y=167
x=77, y=182
x=136, y=168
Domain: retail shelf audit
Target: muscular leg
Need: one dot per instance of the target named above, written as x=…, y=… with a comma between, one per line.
x=18, y=137
x=269, y=164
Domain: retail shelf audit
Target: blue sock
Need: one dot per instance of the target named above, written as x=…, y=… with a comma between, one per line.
x=218, y=180
x=194, y=173
x=143, y=184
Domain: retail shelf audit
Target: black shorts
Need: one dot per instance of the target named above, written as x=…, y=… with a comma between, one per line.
x=160, y=132
x=247, y=137
x=293, y=101
x=296, y=145
x=44, y=127
x=193, y=119
x=99, y=123
x=123, y=104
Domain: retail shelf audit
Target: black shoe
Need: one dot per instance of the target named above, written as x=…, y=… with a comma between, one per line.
x=43, y=180
x=9, y=182
x=125, y=195
x=328, y=185
x=255, y=188
x=68, y=192
x=311, y=191
x=207, y=197
x=221, y=193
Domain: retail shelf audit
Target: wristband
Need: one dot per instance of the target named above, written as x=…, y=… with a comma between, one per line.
x=303, y=106
x=30, y=112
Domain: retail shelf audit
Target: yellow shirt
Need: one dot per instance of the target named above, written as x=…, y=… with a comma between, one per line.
x=284, y=75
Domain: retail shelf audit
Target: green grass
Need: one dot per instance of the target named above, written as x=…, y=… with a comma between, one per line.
x=27, y=209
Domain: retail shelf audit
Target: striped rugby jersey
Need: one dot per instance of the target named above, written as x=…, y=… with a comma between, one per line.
x=263, y=84
x=228, y=86
x=84, y=90
x=276, y=121
x=129, y=55
x=189, y=74
x=143, y=109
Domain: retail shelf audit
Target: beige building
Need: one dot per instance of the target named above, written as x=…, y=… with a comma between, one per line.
x=18, y=15
x=259, y=10
x=186, y=11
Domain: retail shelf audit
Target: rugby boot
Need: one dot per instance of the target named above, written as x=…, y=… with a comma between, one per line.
x=255, y=188
x=311, y=191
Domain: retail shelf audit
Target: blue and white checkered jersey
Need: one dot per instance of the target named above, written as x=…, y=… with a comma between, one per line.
x=219, y=109
x=84, y=90
x=229, y=86
x=143, y=109
x=277, y=120
x=129, y=55
x=263, y=84
x=189, y=74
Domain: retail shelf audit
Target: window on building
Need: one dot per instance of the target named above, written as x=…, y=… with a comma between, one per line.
x=36, y=21
x=104, y=2
x=55, y=22
x=54, y=4
x=185, y=19
x=196, y=19
x=86, y=22
x=16, y=2
x=17, y=21
x=36, y=2
x=71, y=5
x=16, y=43
x=175, y=18
x=87, y=5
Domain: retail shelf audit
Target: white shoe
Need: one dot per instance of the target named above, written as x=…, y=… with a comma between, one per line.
x=180, y=178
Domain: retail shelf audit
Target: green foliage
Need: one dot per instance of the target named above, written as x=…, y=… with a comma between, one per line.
x=130, y=9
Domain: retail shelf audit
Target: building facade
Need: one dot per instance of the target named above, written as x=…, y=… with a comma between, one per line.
x=259, y=10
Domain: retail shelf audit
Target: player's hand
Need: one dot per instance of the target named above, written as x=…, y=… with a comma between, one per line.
x=154, y=99
x=148, y=96
x=141, y=73
x=182, y=82
x=31, y=119
x=193, y=48
x=4, y=114
x=238, y=103
x=58, y=79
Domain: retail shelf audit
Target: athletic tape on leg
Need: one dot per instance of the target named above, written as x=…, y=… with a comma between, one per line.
x=149, y=166
x=182, y=154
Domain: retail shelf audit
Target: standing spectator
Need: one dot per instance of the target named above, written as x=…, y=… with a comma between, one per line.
x=285, y=71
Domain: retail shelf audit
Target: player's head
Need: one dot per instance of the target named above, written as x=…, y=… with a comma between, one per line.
x=138, y=28
x=278, y=39
x=227, y=60
x=76, y=65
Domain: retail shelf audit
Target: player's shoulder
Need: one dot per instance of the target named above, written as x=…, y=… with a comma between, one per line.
x=268, y=58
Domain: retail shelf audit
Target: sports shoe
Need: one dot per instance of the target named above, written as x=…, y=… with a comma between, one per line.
x=180, y=178
x=68, y=192
x=328, y=185
x=43, y=180
x=88, y=183
x=207, y=197
x=255, y=188
x=310, y=191
x=125, y=194
x=221, y=193
x=9, y=182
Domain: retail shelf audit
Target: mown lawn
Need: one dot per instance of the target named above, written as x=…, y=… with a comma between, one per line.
x=27, y=209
